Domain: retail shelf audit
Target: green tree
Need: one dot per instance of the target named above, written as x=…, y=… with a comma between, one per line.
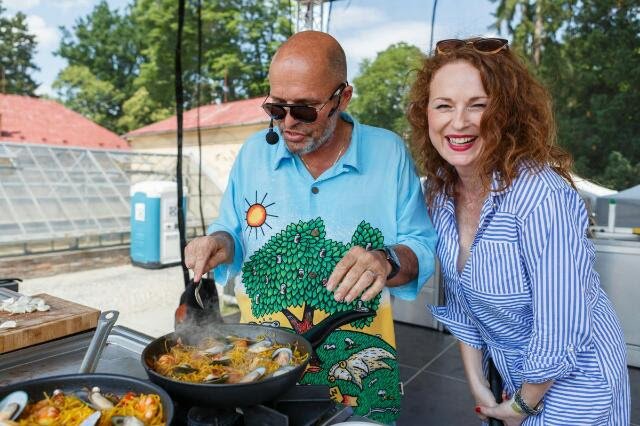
x=133, y=52
x=104, y=55
x=619, y=172
x=239, y=38
x=533, y=24
x=292, y=268
x=94, y=98
x=382, y=87
x=589, y=59
x=17, y=48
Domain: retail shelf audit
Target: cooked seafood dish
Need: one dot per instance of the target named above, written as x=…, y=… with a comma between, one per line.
x=85, y=407
x=229, y=360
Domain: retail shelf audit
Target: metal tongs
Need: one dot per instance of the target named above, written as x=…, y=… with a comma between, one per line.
x=197, y=293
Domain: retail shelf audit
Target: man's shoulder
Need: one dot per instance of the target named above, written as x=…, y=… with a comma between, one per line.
x=380, y=134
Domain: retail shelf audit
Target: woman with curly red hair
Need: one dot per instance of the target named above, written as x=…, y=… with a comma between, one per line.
x=518, y=270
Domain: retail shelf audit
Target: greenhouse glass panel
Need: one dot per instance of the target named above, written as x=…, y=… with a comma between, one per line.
x=36, y=227
x=51, y=192
x=5, y=213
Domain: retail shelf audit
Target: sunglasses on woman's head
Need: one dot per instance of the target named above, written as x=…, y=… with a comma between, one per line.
x=300, y=112
x=482, y=45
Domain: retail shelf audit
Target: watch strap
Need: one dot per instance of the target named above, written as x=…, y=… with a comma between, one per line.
x=391, y=256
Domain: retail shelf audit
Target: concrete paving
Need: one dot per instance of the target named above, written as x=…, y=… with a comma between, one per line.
x=145, y=298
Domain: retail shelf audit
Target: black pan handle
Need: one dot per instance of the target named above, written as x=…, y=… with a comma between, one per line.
x=317, y=334
x=495, y=384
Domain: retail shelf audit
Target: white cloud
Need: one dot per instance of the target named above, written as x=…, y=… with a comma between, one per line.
x=366, y=43
x=353, y=17
x=20, y=4
x=47, y=36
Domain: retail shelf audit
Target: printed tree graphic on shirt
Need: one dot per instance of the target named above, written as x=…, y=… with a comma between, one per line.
x=292, y=269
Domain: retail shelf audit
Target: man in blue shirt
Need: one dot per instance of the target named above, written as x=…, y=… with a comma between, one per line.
x=329, y=218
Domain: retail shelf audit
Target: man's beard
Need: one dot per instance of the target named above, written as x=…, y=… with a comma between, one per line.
x=310, y=145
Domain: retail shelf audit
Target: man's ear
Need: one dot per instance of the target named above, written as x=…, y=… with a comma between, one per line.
x=347, y=94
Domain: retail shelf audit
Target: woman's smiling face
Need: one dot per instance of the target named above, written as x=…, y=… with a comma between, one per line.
x=457, y=100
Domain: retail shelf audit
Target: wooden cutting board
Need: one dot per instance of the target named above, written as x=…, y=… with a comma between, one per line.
x=64, y=318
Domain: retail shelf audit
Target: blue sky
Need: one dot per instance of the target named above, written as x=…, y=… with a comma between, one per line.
x=363, y=27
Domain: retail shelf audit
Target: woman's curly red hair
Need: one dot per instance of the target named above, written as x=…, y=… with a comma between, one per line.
x=518, y=126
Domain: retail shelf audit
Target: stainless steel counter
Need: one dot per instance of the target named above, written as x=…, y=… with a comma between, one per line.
x=121, y=355
x=618, y=263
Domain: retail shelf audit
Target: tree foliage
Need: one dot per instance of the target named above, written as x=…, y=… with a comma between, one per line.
x=133, y=51
x=383, y=85
x=590, y=60
x=292, y=269
x=17, y=49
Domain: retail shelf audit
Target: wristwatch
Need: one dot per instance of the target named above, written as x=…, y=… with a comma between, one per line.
x=521, y=407
x=392, y=258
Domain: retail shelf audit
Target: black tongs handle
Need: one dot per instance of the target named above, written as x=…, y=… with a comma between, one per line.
x=495, y=384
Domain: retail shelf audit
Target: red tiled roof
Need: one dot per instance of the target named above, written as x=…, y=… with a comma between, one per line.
x=33, y=120
x=234, y=113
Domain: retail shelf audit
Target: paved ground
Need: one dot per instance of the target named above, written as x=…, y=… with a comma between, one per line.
x=145, y=298
x=430, y=366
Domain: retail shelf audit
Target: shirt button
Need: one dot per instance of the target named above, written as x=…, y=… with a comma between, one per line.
x=315, y=190
x=570, y=348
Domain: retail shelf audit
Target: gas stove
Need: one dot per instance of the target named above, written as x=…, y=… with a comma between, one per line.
x=302, y=405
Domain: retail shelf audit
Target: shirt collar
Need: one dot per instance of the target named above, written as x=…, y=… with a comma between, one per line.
x=496, y=194
x=350, y=159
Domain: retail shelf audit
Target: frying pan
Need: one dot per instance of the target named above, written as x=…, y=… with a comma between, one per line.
x=108, y=383
x=246, y=394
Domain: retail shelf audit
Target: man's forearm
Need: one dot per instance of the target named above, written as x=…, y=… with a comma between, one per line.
x=408, y=266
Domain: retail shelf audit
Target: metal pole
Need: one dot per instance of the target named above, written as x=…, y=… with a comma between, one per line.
x=433, y=21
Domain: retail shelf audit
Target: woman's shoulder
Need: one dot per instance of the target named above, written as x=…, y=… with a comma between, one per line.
x=532, y=187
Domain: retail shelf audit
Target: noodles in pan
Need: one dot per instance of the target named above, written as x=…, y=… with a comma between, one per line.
x=229, y=360
x=69, y=410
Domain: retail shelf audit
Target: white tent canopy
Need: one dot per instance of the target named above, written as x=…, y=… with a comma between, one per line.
x=627, y=208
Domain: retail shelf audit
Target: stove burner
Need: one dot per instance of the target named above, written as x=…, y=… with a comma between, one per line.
x=308, y=405
x=202, y=416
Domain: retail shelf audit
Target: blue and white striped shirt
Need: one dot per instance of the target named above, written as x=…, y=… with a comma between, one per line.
x=530, y=296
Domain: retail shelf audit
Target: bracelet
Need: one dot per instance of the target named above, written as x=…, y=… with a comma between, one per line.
x=521, y=407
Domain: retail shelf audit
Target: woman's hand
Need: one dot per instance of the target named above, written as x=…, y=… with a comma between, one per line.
x=504, y=412
x=484, y=398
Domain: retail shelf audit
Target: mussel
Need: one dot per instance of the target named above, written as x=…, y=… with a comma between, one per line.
x=253, y=376
x=99, y=401
x=184, y=369
x=12, y=405
x=213, y=378
x=92, y=419
x=282, y=356
x=221, y=360
x=283, y=370
x=217, y=348
x=126, y=421
x=261, y=346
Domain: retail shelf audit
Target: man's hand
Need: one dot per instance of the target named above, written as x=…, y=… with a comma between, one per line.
x=205, y=253
x=359, y=272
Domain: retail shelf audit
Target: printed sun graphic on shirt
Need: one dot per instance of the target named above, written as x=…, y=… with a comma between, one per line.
x=256, y=215
x=291, y=270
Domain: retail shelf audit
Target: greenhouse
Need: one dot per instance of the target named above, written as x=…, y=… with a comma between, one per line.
x=60, y=198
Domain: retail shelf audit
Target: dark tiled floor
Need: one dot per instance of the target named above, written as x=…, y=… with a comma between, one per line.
x=434, y=383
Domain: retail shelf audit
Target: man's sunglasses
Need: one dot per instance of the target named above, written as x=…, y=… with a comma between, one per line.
x=482, y=45
x=301, y=112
